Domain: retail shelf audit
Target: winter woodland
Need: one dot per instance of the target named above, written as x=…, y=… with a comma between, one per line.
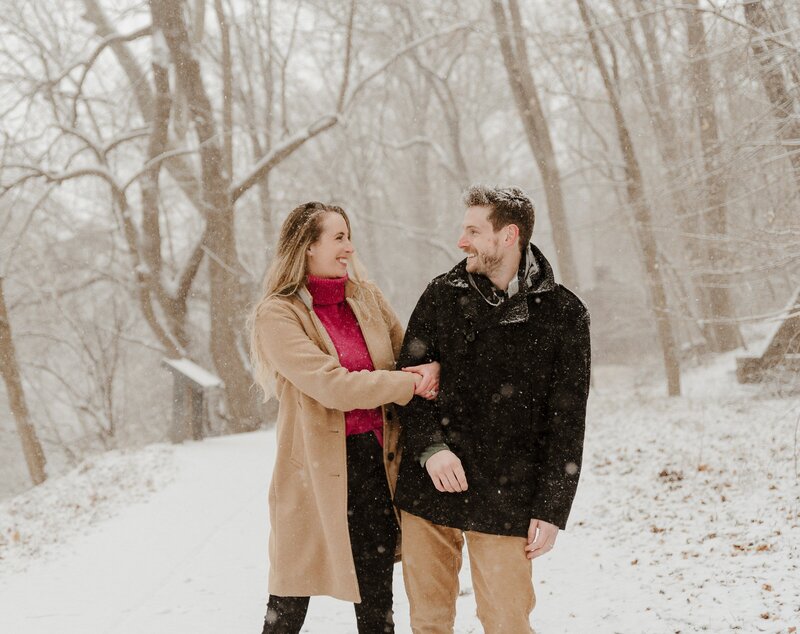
x=149, y=151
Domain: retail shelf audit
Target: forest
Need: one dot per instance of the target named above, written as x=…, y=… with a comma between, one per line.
x=150, y=151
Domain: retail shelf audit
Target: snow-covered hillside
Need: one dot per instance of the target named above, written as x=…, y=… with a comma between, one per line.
x=687, y=520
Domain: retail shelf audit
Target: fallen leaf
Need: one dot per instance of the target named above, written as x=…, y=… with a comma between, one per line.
x=671, y=475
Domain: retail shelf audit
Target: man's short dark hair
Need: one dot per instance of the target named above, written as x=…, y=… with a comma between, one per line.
x=509, y=205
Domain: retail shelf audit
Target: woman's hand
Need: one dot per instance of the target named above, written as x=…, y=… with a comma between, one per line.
x=428, y=384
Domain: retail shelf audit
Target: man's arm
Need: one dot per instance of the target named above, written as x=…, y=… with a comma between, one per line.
x=561, y=442
x=422, y=432
x=420, y=418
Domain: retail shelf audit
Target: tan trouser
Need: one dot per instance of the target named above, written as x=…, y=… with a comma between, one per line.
x=501, y=577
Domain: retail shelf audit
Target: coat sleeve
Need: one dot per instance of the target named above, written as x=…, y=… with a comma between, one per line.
x=560, y=446
x=293, y=355
x=420, y=419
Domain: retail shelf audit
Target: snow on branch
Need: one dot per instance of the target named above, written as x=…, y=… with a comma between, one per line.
x=267, y=162
x=292, y=143
x=60, y=177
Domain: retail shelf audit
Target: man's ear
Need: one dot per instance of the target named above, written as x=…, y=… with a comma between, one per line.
x=512, y=233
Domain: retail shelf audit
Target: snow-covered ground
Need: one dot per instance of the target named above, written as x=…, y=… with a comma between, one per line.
x=687, y=520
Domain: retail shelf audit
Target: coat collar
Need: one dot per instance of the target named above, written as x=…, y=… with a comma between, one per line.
x=351, y=297
x=535, y=277
x=537, y=272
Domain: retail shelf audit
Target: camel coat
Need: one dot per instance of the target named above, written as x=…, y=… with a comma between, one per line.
x=309, y=543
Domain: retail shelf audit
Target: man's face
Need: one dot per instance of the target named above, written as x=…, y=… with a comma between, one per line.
x=480, y=242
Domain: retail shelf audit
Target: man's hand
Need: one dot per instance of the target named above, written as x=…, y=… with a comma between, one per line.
x=446, y=471
x=541, y=538
x=428, y=385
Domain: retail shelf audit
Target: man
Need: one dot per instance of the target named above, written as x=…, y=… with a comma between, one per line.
x=496, y=458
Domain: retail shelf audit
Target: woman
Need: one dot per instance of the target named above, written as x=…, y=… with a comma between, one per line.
x=325, y=344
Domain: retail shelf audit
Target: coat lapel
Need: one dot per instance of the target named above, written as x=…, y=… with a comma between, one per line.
x=305, y=298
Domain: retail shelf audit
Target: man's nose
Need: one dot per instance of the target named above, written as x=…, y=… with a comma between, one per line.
x=463, y=243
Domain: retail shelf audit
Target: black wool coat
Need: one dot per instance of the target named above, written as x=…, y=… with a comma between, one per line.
x=512, y=402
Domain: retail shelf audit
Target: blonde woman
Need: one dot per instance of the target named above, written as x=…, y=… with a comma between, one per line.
x=325, y=343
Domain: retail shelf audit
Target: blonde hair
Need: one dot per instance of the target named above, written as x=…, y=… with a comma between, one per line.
x=287, y=275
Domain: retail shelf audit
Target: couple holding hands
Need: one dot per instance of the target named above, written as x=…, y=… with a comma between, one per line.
x=483, y=396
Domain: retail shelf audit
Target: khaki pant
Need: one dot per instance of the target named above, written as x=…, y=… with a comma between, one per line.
x=501, y=578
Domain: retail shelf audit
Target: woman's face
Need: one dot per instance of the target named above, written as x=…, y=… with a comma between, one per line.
x=329, y=255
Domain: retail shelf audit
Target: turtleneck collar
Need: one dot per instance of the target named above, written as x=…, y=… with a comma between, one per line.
x=326, y=290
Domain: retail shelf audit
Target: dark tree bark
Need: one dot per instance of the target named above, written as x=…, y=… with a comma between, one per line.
x=642, y=215
x=9, y=368
x=515, y=57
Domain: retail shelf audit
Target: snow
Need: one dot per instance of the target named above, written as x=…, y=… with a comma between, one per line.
x=190, y=369
x=687, y=519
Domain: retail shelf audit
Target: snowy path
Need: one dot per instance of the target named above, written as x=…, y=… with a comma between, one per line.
x=685, y=521
x=192, y=559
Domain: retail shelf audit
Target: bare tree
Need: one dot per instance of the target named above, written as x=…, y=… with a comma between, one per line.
x=9, y=368
x=642, y=216
x=511, y=35
x=724, y=332
x=225, y=272
x=770, y=57
x=658, y=92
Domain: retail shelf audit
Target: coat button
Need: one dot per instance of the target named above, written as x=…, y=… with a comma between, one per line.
x=390, y=455
x=470, y=337
x=389, y=414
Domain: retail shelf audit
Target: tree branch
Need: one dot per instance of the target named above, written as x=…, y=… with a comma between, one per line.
x=279, y=153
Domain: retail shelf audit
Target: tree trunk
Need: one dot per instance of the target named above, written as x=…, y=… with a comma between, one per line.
x=225, y=273
x=526, y=96
x=724, y=333
x=669, y=142
x=9, y=368
x=771, y=76
x=642, y=217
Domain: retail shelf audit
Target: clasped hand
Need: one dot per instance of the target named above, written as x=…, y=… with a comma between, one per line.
x=426, y=381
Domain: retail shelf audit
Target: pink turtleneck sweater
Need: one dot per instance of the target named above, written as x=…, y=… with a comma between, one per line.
x=328, y=295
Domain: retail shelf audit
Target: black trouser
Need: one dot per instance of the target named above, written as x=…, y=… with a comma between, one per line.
x=373, y=537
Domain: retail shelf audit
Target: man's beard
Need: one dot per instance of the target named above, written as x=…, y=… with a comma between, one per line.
x=484, y=263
